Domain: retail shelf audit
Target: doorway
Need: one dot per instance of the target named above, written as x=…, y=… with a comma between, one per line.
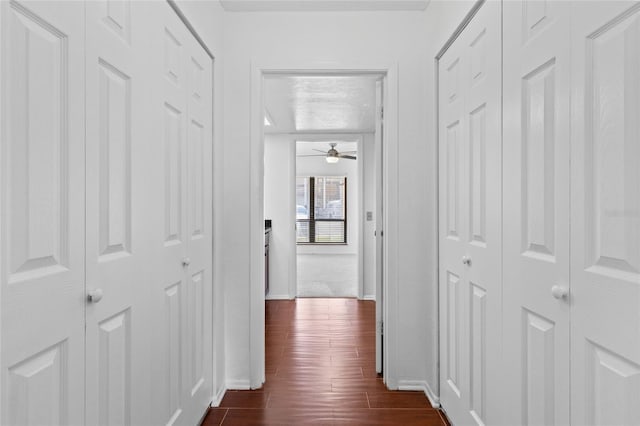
x=326, y=216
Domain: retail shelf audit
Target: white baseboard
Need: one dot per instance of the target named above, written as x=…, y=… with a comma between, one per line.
x=238, y=385
x=218, y=397
x=417, y=385
x=369, y=297
x=278, y=297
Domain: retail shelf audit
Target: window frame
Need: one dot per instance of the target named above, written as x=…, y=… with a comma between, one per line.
x=311, y=221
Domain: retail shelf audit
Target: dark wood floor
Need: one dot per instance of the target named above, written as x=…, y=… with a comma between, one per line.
x=320, y=369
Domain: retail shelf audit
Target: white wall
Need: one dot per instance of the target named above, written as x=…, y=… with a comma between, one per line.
x=207, y=20
x=279, y=206
x=334, y=38
x=367, y=161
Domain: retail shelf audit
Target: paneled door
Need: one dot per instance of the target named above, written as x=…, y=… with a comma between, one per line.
x=605, y=218
x=119, y=202
x=470, y=226
x=536, y=85
x=182, y=291
x=42, y=213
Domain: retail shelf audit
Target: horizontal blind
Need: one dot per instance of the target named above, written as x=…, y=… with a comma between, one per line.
x=321, y=210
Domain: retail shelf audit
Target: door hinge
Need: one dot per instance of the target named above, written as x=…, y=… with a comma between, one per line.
x=380, y=327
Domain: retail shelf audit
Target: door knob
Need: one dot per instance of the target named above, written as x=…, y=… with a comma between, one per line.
x=186, y=261
x=466, y=260
x=559, y=292
x=94, y=296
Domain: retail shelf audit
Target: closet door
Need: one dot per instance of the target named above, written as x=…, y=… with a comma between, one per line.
x=182, y=292
x=605, y=218
x=119, y=203
x=198, y=342
x=536, y=81
x=470, y=210
x=42, y=213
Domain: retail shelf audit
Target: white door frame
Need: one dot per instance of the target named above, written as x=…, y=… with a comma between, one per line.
x=390, y=223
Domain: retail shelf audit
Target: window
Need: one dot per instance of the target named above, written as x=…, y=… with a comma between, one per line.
x=321, y=206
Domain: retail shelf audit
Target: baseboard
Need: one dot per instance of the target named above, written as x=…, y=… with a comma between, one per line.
x=218, y=397
x=417, y=385
x=238, y=385
x=369, y=297
x=279, y=297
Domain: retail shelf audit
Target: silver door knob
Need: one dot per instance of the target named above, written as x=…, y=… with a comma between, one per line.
x=466, y=260
x=94, y=296
x=186, y=261
x=559, y=292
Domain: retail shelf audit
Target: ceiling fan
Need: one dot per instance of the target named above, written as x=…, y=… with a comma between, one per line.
x=332, y=155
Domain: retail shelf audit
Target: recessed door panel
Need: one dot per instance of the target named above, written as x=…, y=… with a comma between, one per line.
x=38, y=388
x=538, y=165
x=172, y=352
x=115, y=161
x=173, y=174
x=114, y=354
x=613, y=200
x=38, y=135
x=42, y=191
x=478, y=176
x=605, y=222
x=538, y=385
x=478, y=352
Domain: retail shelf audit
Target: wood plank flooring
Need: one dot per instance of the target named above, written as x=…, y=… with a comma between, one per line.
x=320, y=369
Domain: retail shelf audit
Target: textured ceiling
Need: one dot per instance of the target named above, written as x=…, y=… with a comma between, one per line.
x=321, y=5
x=316, y=104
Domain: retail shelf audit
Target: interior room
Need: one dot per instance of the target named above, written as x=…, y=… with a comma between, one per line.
x=229, y=212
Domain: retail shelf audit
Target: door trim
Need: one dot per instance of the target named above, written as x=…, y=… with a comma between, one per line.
x=390, y=198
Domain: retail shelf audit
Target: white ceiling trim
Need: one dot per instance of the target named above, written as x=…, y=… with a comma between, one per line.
x=322, y=5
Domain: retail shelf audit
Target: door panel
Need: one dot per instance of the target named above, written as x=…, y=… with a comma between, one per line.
x=470, y=229
x=184, y=71
x=42, y=219
x=536, y=211
x=118, y=203
x=605, y=261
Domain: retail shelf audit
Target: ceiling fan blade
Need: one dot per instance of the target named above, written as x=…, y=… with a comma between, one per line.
x=312, y=155
x=348, y=157
x=319, y=150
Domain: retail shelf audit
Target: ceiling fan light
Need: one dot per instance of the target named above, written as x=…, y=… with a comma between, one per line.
x=332, y=159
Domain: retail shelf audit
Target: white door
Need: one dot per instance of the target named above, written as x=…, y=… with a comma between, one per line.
x=119, y=202
x=605, y=218
x=182, y=291
x=198, y=344
x=536, y=163
x=42, y=213
x=470, y=220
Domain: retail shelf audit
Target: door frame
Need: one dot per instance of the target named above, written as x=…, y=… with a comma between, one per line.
x=390, y=222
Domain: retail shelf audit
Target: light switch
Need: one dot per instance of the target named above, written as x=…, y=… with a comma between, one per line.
x=369, y=216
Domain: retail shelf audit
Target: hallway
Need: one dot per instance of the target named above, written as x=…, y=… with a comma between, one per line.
x=320, y=368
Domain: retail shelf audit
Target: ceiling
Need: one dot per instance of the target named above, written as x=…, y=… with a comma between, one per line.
x=320, y=103
x=321, y=5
